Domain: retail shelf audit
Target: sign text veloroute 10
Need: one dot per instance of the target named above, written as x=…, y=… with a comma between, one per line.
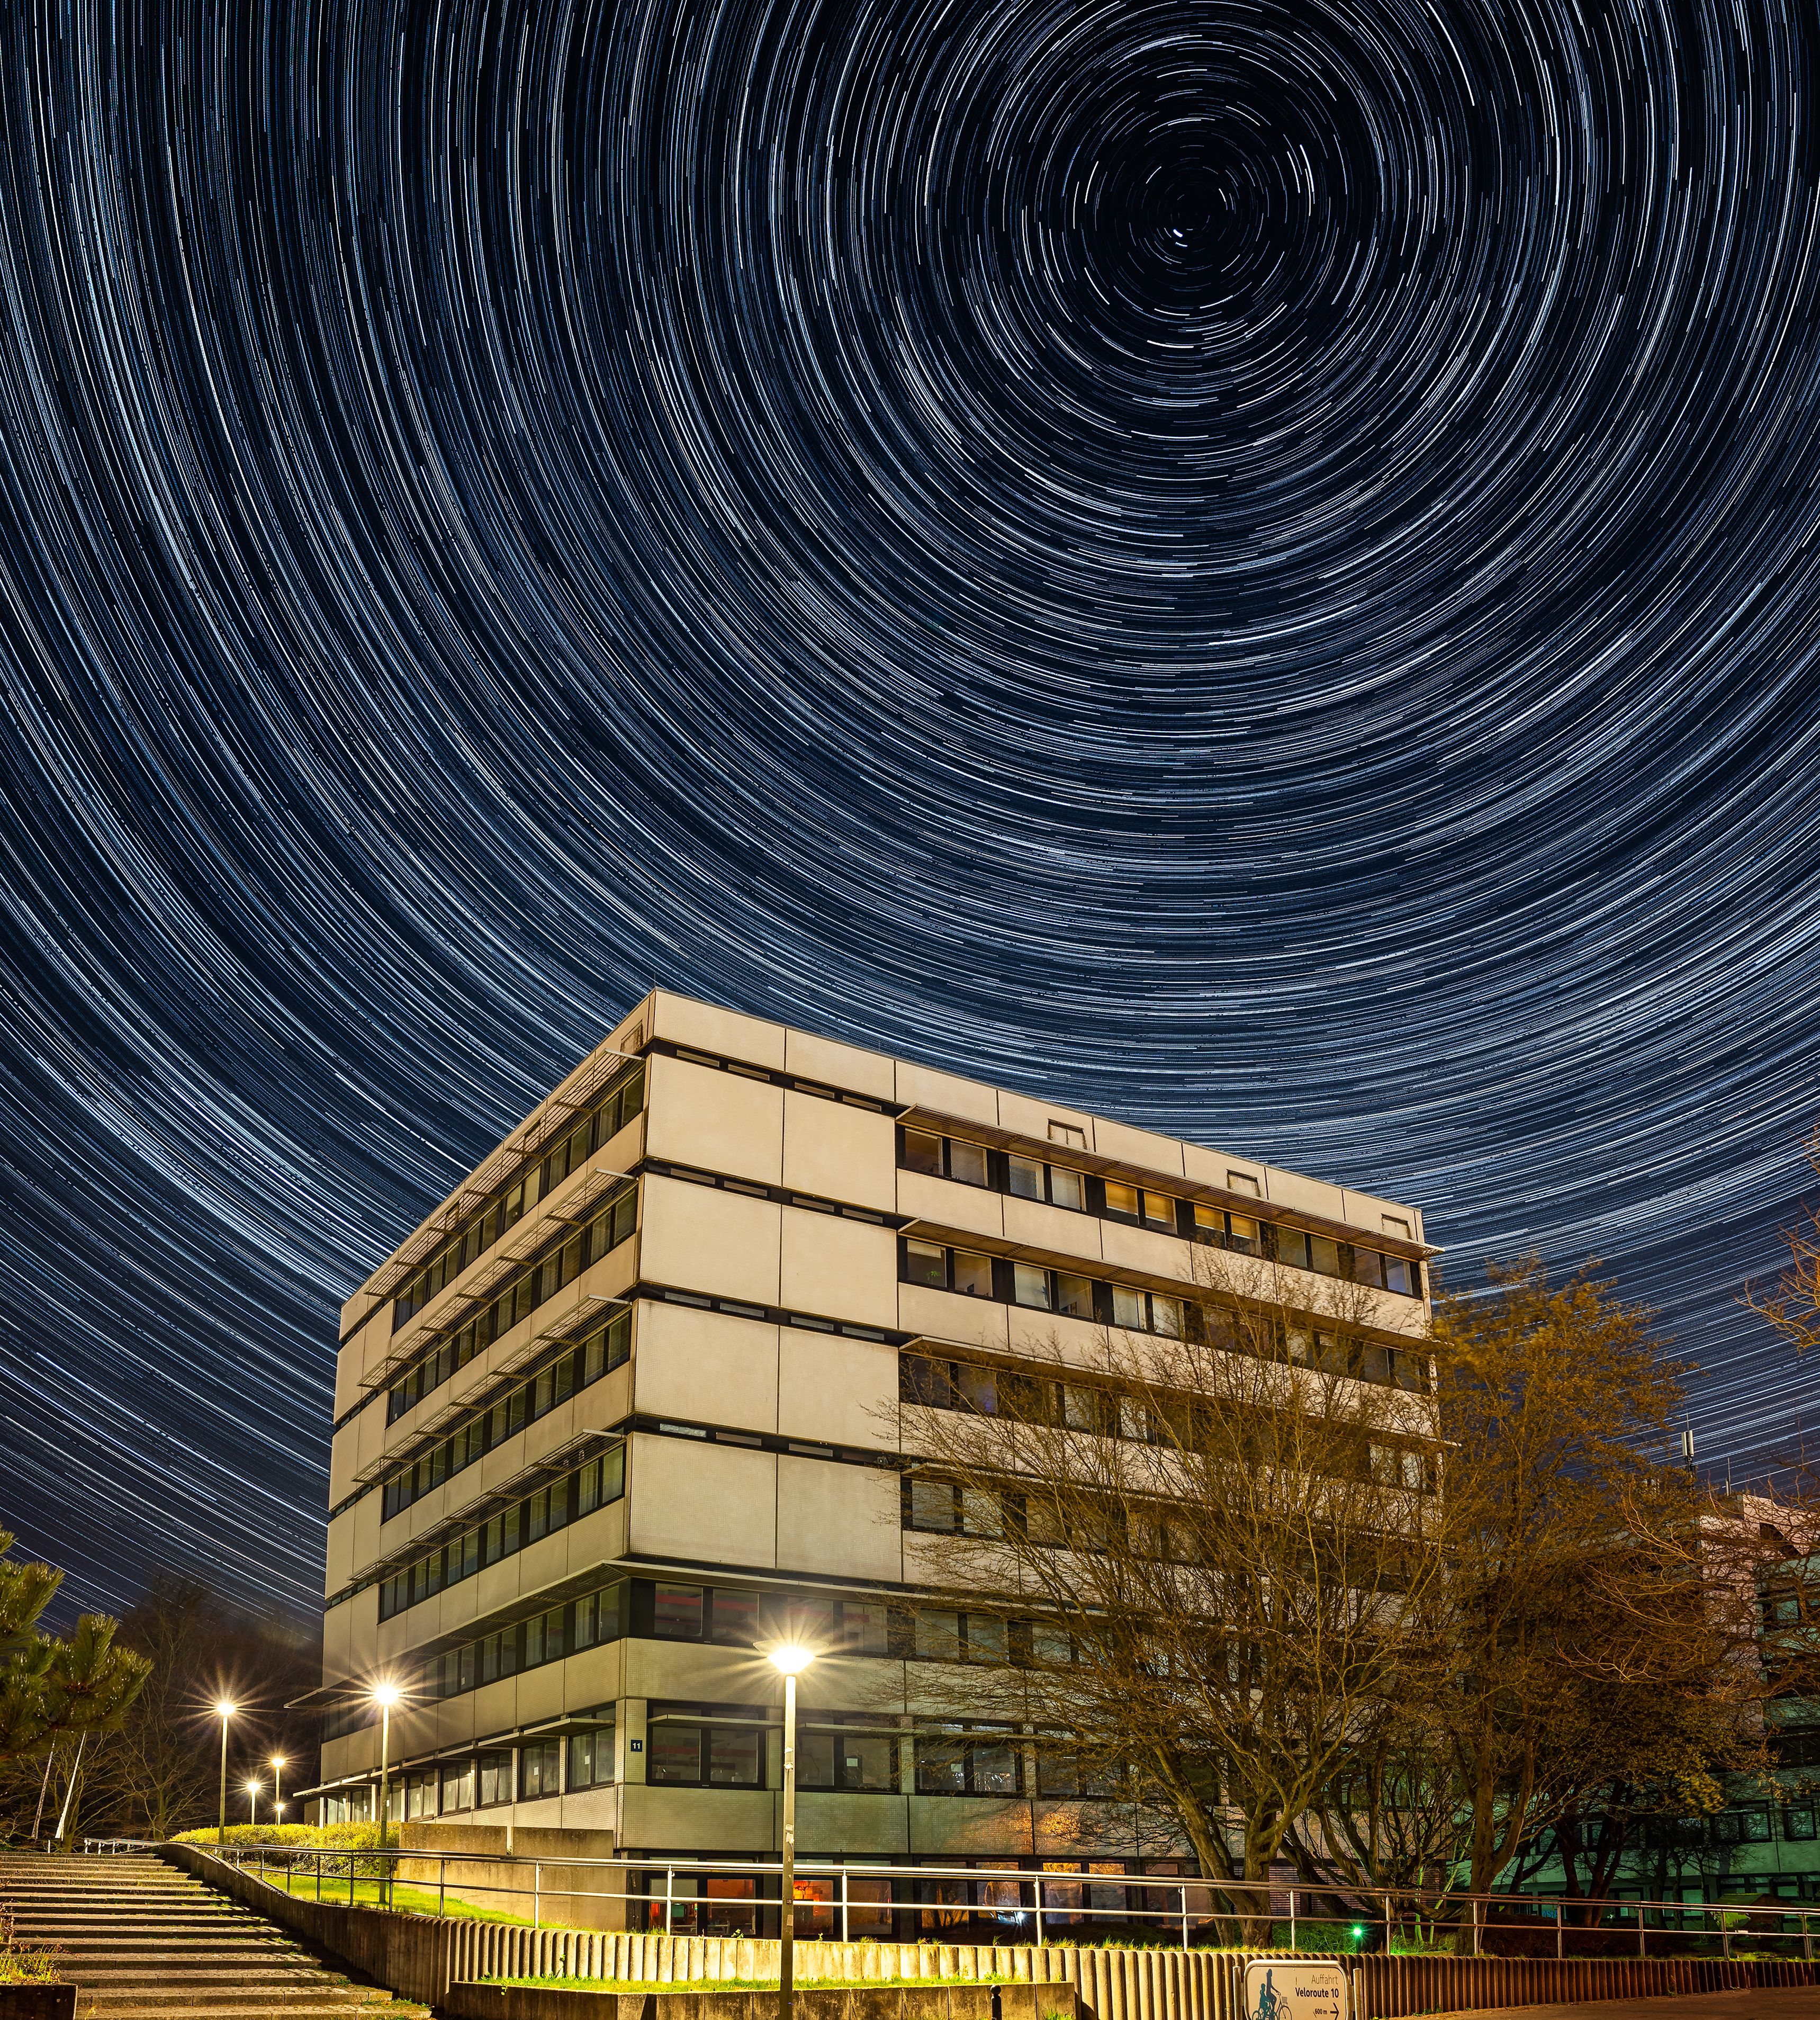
x=1293, y=1989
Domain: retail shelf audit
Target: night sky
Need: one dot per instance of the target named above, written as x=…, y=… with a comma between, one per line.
x=1254, y=565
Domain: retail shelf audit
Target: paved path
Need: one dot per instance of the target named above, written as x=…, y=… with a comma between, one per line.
x=1778, y=2002
x=143, y=1938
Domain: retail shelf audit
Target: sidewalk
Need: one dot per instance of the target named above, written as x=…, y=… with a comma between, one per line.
x=1780, y=2003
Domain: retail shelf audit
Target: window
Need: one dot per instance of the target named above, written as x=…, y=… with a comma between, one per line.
x=934, y=1506
x=1742, y=1826
x=733, y=1616
x=591, y=1759
x=1160, y=1211
x=1062, y=1771
x=677, y=1612
x=1242, y=1235
x=862, y=1630
x=495, y=1779
x=966, y=1162
x=922, y=1152
x=1798, y=1823
x=1030, y=1286
x=938, y=1635
x=866, y=1762
x=1068, y=1134
x=540, y=1770
x=1074, y=1296
x=1026, y=1178
x=1292, y=1248
x=709, y=1756
x=458, y=1786
x=1065, y=1189
x=1129, y=1307
x=1121, y=1200
x=1323, y=1255
x=972, y=1274
x=925, y=1263
x=969, y=1763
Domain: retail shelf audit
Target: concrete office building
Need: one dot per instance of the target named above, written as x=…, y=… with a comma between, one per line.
x=628, y=1400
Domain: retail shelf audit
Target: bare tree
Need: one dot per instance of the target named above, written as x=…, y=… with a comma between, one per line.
x=1209, y=1530
x=1591, y=1634
x=1793, y=1307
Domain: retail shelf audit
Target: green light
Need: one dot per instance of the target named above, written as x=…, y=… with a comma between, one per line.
x=1358, y=1932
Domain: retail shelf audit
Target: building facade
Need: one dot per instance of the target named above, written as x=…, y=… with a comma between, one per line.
x=626, y=1407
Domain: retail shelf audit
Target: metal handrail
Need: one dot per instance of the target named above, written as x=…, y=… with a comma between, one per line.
x=1048, y=1907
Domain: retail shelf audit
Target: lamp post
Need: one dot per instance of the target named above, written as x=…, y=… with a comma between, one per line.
x=792, y=1659
x=276, y=1764
x=385, y=1696
x=224, y=1710
x=252, y=1789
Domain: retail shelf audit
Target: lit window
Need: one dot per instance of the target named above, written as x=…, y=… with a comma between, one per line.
x=1160, y=1211
x=1242, y=1234
x=1121, y=1200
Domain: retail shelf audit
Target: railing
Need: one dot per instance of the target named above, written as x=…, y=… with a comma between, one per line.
x=862, y=1901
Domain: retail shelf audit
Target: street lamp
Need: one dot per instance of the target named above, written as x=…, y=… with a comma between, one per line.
x=792, y=1658
x=253, y=1788
x=276, y=1764
x=385, y=1696
x=224, y=1710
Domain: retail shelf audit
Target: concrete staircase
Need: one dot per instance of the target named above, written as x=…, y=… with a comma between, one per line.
x=141, y=1938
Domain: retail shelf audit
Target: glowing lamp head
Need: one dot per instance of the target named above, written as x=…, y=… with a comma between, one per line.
x=253, y=1788
x=226, y=1708
x=792, y=1659
x=386, y=1695
x=278, y=1761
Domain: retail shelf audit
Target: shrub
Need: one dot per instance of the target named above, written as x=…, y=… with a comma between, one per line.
x=285, y=1841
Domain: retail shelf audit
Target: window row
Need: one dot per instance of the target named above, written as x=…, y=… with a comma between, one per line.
x=1136, y=1206
x=563, y=1262
x=608, y=1347
x=507, y=1205
x=587, y=1623
x=1009, y=1283
x=564, y=1500
x=1100, y=1410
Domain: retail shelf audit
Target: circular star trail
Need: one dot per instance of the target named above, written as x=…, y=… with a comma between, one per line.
x=1251, y=564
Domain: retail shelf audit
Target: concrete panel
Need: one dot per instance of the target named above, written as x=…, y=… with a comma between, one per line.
x=839, y=1153
x=540, y=1694
x=706, y=1366
x=848, y=1066
x=1139, y=1146
x=1138, y=1248
x=1030, y=1118
x=828, y=1822
x=842, y=1269
x=340, y=1563
x=1303, y=1195
x=699, y=1671
x=948, y=1205
x=722, y=1820
x=715, y=1121
x=699, y=1239
x=838, y=1519
x=843, y=1391
x=1032, y=1225
x=970, y=1826
x=946, y=1315
x=727, y=1033
x=708, y=1504
x=945, y=1094
x=1079, y=1341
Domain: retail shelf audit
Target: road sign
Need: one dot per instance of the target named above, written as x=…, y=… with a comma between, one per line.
x=1295, y=1988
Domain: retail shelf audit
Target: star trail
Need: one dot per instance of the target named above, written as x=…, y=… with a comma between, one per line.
x=1253, y=565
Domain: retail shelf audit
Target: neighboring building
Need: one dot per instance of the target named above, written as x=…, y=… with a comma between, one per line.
x=626, y=1405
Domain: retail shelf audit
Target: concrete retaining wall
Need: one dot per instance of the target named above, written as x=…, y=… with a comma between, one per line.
x=422, y=1958
x=935, y=2002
